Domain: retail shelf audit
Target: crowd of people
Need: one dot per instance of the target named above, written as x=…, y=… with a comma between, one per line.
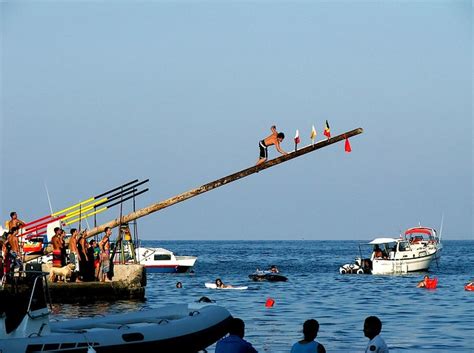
x=91, y=258
x=234, y=342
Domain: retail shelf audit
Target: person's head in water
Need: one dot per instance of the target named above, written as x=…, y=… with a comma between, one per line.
x=237, y=327
x=219, y=283
x=310, y=329
x=372, y=326
x=280, y=136
x=179, y=285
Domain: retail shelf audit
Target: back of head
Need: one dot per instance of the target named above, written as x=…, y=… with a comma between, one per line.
x=237, y=327
x=310, y=329
x=281, y=135
x=374, y=324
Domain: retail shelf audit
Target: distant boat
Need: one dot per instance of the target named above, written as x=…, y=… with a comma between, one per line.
x=172, y=328
x=414, y=251
x=159, y=260
x=267, y=276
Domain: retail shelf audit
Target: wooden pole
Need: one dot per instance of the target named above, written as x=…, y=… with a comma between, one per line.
x=220, y=182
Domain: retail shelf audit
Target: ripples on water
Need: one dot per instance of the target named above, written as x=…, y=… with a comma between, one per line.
x=413, y=319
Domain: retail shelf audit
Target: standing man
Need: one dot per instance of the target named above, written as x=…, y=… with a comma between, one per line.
x=73, y=250
x=274, y=139
x=104, y=246
x=57, y=246
x=13, y=256
x=14, y=221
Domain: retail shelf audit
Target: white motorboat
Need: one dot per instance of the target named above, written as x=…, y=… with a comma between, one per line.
x=173, y=328
x=164, y=261
x=413, y=251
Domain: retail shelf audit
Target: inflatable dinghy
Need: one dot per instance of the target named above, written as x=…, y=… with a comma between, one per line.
x=267, y=276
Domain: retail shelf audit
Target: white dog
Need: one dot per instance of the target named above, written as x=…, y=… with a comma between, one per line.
x=61, y=272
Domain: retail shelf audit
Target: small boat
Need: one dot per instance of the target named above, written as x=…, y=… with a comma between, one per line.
x=159, y=260
x=267, y=276
x=173, y=328
x=413, y=251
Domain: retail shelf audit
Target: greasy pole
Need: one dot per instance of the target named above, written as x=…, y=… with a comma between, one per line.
x=220, y=182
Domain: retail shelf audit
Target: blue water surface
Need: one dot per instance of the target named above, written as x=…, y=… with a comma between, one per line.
x=414, y=319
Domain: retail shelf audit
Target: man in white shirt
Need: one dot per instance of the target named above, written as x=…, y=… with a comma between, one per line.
x=372, y=329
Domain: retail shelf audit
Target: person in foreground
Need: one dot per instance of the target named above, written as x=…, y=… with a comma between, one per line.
x=372, y=329
x=234, y=342
x=423, y=283
x=308, y=343
x=274, y=139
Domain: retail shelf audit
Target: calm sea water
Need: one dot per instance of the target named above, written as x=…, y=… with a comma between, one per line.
x=414, y=319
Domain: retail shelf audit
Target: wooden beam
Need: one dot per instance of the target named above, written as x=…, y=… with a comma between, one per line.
x=220, y=182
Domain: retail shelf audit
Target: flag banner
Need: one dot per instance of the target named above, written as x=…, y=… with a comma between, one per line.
x=327, y=130
x=313, y=134
x=297, y=137
x=347, y=146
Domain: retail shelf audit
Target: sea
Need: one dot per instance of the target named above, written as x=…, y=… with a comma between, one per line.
x=413, y=319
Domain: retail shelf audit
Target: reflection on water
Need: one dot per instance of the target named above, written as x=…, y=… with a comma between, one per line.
x=413, y=319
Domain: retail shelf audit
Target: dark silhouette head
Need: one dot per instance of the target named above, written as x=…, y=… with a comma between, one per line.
x=372, y=326
x=12, y=214
x=281, y=135
x=237, y=327
x=310, y=329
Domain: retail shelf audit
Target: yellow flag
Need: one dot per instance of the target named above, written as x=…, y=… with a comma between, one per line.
x=313, y=133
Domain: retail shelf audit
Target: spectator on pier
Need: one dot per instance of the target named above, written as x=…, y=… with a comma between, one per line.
x=96, y=257
x=104, y=246
x=57, y=245
x=308, y=343
x=64, y=257
x=274, y=139
x=234, y=342
x=14, y=221
x=74, y=252
x=13, y=255
x=372, y=329
x=83, y=258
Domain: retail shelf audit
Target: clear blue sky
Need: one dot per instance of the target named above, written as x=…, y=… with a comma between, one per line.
x=94, y=94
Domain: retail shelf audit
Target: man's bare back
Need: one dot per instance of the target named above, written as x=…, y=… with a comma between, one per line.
x=56, y=241
x=13, y=241
x=274, y=139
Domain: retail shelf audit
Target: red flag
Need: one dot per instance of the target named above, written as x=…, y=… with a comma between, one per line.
x=297, y=137
x=327, y=130
x=347, y=147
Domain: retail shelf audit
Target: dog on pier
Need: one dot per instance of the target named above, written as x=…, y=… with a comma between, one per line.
x=61, y=273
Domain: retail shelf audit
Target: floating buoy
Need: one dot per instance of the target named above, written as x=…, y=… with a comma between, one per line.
x=269, y=303
x=469, y=287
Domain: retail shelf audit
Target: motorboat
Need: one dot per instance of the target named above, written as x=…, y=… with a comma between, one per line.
x=413, y=251
x=159, y=260
x=26, y=327
x=269, y=276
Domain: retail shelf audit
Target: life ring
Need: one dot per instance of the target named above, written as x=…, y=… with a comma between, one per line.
x=360, y=271
x=342, y=271
x=469, y=287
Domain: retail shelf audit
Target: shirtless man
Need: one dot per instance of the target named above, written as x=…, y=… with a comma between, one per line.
x=104, y=246
x=14, y=221
x=274, y=139
x=13, y=256
x=73, y=250
x=57, y=243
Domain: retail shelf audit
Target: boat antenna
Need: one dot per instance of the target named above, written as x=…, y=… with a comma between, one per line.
x=49, y=199
x=441, y=227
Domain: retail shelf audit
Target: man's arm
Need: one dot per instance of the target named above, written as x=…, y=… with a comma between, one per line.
x=277, y=146
x=274, y=129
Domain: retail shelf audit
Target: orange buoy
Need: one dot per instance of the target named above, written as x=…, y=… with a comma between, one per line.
x=469, y=287
x=269, y=303
x=431, y=283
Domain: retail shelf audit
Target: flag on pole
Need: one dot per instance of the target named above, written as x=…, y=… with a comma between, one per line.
x=347, y=146
x=313, y=134
x=297, y=139
x=327, y=130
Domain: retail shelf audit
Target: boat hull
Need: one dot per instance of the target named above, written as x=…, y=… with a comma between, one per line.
x=382, y=266
x=130, y=332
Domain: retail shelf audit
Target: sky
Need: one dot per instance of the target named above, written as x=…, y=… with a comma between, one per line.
x=97, y=93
